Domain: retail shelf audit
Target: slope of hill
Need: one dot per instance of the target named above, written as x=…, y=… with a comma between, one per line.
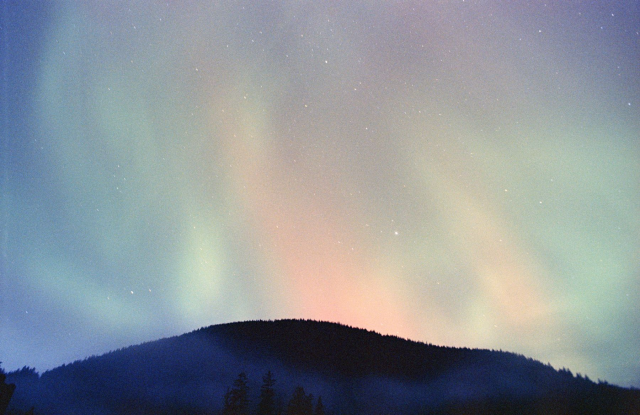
x=355, y=371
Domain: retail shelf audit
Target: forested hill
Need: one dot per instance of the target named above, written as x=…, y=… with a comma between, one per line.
x=355, y=371
x=332, y=348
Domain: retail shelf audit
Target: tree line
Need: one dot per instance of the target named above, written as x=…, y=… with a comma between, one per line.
x=236, y=399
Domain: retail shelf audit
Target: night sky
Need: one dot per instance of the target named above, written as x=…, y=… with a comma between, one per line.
x=464, y=173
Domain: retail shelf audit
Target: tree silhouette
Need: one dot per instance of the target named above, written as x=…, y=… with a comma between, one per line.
x=6, y=391
x=319, y=407
x=267, y=404
x=300, y=403
x=236, y=400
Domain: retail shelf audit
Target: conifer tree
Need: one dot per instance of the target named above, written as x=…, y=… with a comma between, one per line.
x=300, y=403
x=6, y=391
x=319, y=407
x=267, y=404
x=236, y=400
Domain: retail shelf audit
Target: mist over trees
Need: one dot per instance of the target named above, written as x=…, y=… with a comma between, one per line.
x=291, y=367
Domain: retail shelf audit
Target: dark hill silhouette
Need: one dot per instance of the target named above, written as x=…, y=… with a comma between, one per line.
x=355, y=371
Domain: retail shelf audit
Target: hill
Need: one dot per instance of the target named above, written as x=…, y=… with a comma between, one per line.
x=355, y=371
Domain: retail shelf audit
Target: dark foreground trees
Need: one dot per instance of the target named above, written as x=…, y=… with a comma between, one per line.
x=6, y=391
x=300, y=403
x=267, y=404
x=319, y=407
x=236, y=400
